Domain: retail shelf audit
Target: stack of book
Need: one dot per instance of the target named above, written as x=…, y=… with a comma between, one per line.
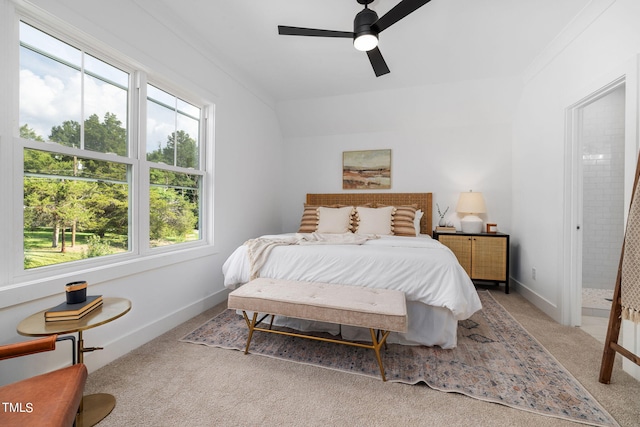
x=440, y=229
x=66, y=311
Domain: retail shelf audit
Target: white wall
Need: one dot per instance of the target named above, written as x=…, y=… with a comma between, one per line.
x=605, y=45
x=599, y=46
x=444, y=139
x=487, y=135
x=248, y=162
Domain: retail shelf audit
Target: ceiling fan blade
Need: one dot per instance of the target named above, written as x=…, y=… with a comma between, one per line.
x=377, y=62
x=399, y=11
x=297, y=31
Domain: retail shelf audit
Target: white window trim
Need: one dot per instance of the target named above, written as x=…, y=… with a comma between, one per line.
x=205, y=159
x=18, y=285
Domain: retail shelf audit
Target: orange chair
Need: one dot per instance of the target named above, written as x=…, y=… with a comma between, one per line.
x=50, y=399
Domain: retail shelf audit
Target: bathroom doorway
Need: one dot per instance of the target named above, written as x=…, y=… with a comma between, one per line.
x=600, y=148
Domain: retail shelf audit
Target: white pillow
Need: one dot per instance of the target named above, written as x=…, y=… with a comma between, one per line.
x=416, y=221
x=334, y=220
x=375, y=220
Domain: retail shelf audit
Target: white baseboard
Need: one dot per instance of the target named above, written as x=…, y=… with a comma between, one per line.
x=550, y=309
x=135, y=338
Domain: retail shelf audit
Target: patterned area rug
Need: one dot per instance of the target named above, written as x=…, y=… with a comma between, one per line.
x=496, y=360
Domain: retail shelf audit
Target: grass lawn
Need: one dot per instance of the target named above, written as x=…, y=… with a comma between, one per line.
x=189, y=237
x=38, y=251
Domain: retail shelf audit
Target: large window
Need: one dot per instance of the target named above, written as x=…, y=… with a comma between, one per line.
x=83, y=170
x=173, y=135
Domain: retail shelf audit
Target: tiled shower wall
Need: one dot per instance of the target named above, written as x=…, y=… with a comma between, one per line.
x=603, y=189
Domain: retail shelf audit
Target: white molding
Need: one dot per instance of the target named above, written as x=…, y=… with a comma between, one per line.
x=48, y=285
x=577, y=26
x=114, y=349
x=570, y=300
x=8, y=92
x=624, y=74
x=145, y=333
x=536, y=299
x=630, y=334
x=163, y=14
x=571, y=236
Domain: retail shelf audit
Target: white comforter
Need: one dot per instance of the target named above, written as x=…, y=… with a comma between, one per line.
x=424, y=269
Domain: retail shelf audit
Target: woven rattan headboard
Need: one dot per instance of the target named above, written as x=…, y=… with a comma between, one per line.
x=423, y=200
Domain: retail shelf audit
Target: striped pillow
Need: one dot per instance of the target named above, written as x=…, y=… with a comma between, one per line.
x=310, y=217
x=403, y=220
x=403, y=224
x=309, y=222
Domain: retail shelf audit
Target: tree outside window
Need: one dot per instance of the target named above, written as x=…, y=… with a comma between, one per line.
x=78, y=186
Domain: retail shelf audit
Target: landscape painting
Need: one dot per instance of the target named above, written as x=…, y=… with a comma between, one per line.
x=370, y=169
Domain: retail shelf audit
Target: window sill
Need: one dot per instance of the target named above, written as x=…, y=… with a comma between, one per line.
x=30, y=290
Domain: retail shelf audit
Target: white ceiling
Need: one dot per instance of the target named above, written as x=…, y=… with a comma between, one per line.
x=443, y=41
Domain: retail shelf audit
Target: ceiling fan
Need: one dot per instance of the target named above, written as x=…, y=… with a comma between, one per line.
x=366, y=27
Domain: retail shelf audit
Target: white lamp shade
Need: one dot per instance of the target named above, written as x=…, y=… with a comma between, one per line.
x=471, y=203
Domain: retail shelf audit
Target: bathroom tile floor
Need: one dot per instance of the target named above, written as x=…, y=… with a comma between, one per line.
x=596, y=305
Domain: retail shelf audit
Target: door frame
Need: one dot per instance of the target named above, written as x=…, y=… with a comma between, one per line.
x=571, y=292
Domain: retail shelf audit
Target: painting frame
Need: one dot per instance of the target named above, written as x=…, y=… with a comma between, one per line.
x=366, y=170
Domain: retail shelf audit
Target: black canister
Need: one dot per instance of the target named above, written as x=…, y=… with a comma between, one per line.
x=76, y=292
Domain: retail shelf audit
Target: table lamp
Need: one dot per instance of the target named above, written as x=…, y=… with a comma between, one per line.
x=471, y=203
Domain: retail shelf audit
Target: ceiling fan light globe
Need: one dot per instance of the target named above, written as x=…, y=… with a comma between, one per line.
x=365, y=42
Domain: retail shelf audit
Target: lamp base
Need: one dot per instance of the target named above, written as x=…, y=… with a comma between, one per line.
x=471, y=224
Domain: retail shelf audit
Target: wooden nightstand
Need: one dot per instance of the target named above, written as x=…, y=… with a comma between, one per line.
x=484, y=256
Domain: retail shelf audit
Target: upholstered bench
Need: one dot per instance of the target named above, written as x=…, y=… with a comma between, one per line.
x=379, y=310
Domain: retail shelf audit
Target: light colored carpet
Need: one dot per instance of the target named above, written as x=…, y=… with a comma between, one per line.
x=496, y=360
x=168, y=383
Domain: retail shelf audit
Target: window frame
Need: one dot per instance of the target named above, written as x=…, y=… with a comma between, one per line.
x=140, y=257
x=142, y=80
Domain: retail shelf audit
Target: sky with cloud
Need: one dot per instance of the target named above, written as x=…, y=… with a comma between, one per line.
x=52, y=90
x=51, y=93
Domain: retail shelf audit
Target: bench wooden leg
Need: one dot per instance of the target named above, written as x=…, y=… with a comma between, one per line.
x=377, y=342
x=251, y=324
x=376, y=347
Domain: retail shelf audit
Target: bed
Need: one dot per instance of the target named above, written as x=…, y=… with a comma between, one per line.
x=439, y=292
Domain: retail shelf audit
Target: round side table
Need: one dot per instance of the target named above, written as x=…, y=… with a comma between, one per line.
x=94, y=407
